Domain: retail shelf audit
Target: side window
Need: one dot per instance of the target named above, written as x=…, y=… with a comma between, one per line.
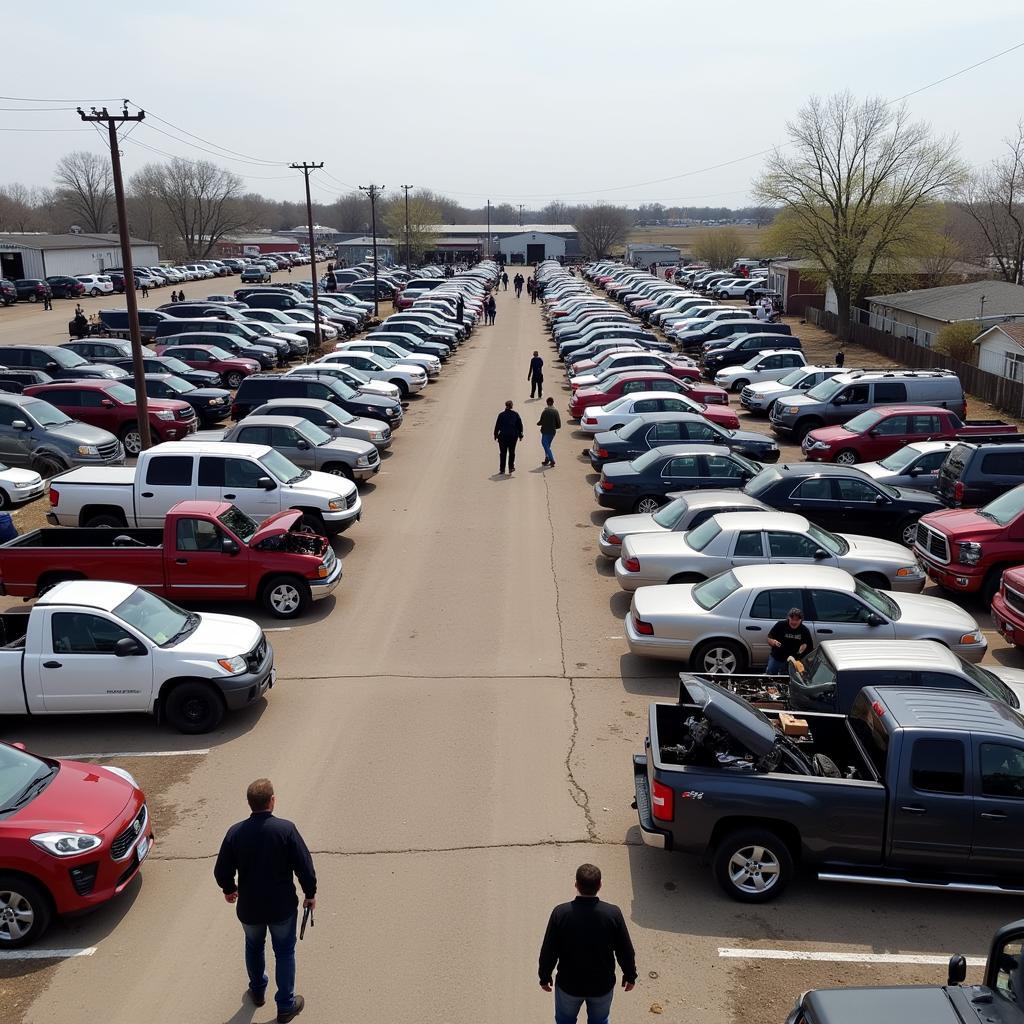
x=937, y=766
x=671, y=405
x=241, y=473
x=893, y=425
x=685, y=466
x=197, y=535
x=720, y=466
x=855, y=394
x=791, y=545
x=830, y=606
x=774, y=604
x=770, y=363
x=890, y=391
x=700, y=432
x=855, y=490
x=665, y=432
x=8, y=414
x=1003, y=464
x=646, y=405
x=90, y=399
x=930, y=463
x=633, y=385
x=748, y=544
x=170, y=470
x=62, y=399
x=925, y=425
x=82, y=633
x=1002, y=770
x=211, y=471
x=283, y=437
x=791, y=360
x=814, y=490
x=254, y=435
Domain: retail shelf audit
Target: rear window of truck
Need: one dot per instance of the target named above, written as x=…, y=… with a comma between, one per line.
x=868, y=728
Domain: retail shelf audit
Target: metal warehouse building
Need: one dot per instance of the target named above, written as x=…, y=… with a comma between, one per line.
x=41, y=255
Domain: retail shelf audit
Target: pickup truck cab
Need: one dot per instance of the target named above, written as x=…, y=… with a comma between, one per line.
x=966, y=550
x=206, y=551
x=917, y=788
x=874, y=434
x=259, y=480
x=90, y=647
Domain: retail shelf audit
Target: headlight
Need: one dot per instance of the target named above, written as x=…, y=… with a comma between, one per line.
x=232, y=665
x=363, y=460
x=819, y=446
x=376, y=435
x=390, y=412
x=337, y=504
x=216, y=401
x=972, y=638
x=970, y=552
x=164, y=414
x=66, y=844
x=123, y=772
x=909, y=570
x=322, y=571
x=793, y=410
x=88, y=449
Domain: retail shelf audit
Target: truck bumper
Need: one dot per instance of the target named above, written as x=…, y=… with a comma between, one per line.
x=322, y=588
x=964, y=579
x=649, y=832
x=242, y=690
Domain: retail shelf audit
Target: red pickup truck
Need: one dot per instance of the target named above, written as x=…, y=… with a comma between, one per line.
x=206, y=551
x=876, y=433
x=966, y=550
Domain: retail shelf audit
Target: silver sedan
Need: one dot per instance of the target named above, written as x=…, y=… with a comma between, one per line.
x=732, y=539
x=914, y=465
x=722, y=624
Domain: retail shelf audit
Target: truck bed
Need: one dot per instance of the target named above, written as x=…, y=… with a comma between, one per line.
x=69, y=537
x=105, y=476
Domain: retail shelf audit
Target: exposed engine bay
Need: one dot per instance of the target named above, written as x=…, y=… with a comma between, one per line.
x=297, y=542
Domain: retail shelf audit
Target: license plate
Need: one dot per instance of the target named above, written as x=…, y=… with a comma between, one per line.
x=142, y=849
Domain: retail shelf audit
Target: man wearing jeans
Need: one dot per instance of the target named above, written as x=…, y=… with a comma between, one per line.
x=584, y=938
x=265, y=853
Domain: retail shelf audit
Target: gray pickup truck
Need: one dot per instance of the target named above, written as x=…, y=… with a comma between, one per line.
x=915, y=787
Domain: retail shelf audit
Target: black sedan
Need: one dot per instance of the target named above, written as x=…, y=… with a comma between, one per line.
x=658, y=429
x=643, y=484
x=211, y=405
x=844, y=499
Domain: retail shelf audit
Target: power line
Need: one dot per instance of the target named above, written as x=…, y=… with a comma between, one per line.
x=50, y=99
x=45, y=129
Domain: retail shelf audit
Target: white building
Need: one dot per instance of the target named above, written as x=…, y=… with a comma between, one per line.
x=643, y=254
x=42, y=255
x=1001, y=350
x=532, y=246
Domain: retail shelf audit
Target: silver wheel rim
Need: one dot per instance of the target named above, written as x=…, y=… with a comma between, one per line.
x=846, y=458
x=233, y=380
x=16, y=916
x=285, y=599
x=336, y=471
x=133, y=442
x=719, y=661
x=647, y=505
x=910, y=534
x=754, y=869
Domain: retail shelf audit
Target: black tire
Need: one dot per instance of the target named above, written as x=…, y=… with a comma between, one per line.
x=314, y=521
x=753, y=865
x=105, y=519
x=32, y=910
x=771, y=405
x=803, y=428
x=193, y=707
x=233, y=379
x=990, y=586
x=286, y=597
x=403, y=388
x=845, y=457
x=5, y=500
x=827, y=767
x=94, y=292
x=131, y=438
x=340, y=469
x=739, y=385
x=906, y=532
x=648, y=503
x=719, y=657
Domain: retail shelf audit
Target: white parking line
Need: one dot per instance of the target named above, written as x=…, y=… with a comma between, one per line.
x=278, y=629
x=842, y=958
x=45, y=954
x=137, y=753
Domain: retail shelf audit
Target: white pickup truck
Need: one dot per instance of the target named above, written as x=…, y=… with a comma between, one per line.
x=256, y=478
x=94, y=647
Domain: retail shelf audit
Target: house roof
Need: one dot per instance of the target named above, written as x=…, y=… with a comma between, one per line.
x=258, y=239
x=47, y=242
x=363, y=240
x=650, y=247
x=1013, y=329
x=958, y=301
x=500, y=229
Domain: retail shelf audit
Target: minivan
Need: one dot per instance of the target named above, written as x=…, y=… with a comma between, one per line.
x=844, y=396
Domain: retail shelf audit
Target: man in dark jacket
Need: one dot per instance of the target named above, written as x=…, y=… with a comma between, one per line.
x=549, y=422
x=265, y=852
x=536, y=376
x=460, y=308
x=584, y=939
x=508, y=432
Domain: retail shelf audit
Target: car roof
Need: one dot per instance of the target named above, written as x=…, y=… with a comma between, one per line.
x=271, y=420
x=63, y=385
x=932, y=709
x=302, y=403
x=789, y=522
x=91, y=593
x=640, y=395
x=659, y=417
x=802, y=469
x=847, y=655
x=697, y=499
x=688, y=449
x=796, y=575
x=902, y=410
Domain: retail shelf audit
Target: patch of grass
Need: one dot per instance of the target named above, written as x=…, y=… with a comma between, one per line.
x=684, y=237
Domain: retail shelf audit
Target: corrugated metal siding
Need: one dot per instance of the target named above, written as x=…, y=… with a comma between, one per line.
x=71, y=262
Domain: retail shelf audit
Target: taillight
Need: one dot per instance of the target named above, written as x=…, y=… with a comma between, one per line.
x=602, y=453
x=662, y=801
x=631, y=564
x=958, y=491
x=614, y=538
x=591, y=420
x=642, y=627
x=54, y=497
x=606, y=485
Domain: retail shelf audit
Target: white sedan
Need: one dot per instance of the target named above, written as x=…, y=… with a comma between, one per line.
x=96, y=284
x=18, y=486
x=620, y=411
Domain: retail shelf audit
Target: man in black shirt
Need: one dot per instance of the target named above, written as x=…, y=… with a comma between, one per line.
x=788, y=638
x=265, y=852
x=535, y=376
x=508, y=432
x=584, y=939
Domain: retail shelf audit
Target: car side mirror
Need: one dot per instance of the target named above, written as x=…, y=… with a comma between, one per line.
x=872, y=433
x=303, y=446
x=330, y=423
x=19, y=425
x=875, y=620
x=228, y=546
x=957, y=972
x=107, y=403
x=128, y=647
x=916, y=471
x=881, y=499
x=819, y=554
x=266, y=483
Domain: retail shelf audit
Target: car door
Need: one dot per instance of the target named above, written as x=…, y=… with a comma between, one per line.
x=796, y=549
x=838, y=615
x=641, y=405
x=77, y=670
x=721, y=471
x=681, y=473
x=884, y=438
x=932, y=806
x=863, y=508
x=241, y=487
x=15, y=445
x=199, y=568
x=168, y=480
x=764, y=608
x=854, y=398
x=659, y=434
x=99, y=410
x=998, y=807
x=290, y=443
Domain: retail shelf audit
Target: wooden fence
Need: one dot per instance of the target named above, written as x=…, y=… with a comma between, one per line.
x=997, y=391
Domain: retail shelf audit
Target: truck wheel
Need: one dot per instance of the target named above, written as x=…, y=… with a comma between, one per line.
x=990, y=587
x=753, y=865
x=47, y=466
x=232, y=380
x=340, y=469
x=845, y=457
x=25, y=911
x=106, y=520
x=131, y=438
x=906, y=532
x=739, y=385
x=194, y=707
x=719, y=657
x=286, y=597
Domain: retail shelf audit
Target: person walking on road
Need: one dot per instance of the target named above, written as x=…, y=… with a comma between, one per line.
x=840, y=358
x=536, y=376
x=549, y=423
x=517, y=281
x=531, y=287
x=47, y=299
x=492, y=309
x=508, y=432
x=145, y=290
x=264, y=852
x=788, y=638
x=460, y=307
x=584, y=938
x=504, y=281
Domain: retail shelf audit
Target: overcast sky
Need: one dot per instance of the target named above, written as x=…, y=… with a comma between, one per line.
x=527, y=101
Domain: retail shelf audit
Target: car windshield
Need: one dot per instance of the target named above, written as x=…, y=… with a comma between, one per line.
x=1004, y=509
x=66, y=357
x=865, y=421
x=179, y=386
x=701, y=536
x=21, y=777
x=898, y=461
x=990, y=683
x=833, y=544
x=121, y=393
x=239, y=524
x=668, y=515
x=278, y=466
x=216, y=352
x=826, y=389
x=711, y=593
x=46, y=415
x=159, y=620
x=877, y=600
x=314, y=434
x=792, y=378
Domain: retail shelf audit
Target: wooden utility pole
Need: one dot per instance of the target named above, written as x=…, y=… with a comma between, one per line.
x=373, y=191
x=306, y=168
x=138, y=371
x=488, y=229
x=408, y=257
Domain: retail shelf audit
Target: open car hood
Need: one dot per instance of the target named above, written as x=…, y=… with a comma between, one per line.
x=732, y=714
x=276, y=526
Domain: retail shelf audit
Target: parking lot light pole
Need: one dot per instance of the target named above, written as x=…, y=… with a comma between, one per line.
x=488, y=229
x=373, y=191
x=408, y=257
x=306, y=168
x=138, y=370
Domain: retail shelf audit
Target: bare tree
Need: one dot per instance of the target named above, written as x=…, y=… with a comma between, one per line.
x=19, y=208
x=556, y=212
x=602, y=228
x=993, y=198
x=855, y=179
x=423, y=215
x=718, y=247
x=86, y=185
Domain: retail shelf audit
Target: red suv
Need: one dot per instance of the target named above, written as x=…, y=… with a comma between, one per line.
x=72, y=836
x=232, y=369
x=112, y=406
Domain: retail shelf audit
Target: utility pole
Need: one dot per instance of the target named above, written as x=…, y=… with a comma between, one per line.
x=138, y=371
x=488, y=229
x=520, y=214
x=408, y=257
x=373, y=191
x=306, y=168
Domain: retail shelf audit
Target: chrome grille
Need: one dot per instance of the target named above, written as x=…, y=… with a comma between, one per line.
x=747, y=392
x=1015, y=600
x=109, y=449
x=932, y=542
x=255, y=657
x=124, y=841
x=372, y=457
x=350, y=501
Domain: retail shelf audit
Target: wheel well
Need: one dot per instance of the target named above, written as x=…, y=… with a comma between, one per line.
x=787, y=832
x=176, y=681
x=872, y=579
x=89, y=511
x=269, y=577
x=687, y=577
x=35, y=880
x=55, y=576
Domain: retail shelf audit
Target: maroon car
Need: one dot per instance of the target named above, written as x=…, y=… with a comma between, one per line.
x=109, y=404
x=211, y=357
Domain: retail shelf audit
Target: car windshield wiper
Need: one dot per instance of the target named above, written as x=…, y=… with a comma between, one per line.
x=33, y=789
x=301, y=476
x=191, y=622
